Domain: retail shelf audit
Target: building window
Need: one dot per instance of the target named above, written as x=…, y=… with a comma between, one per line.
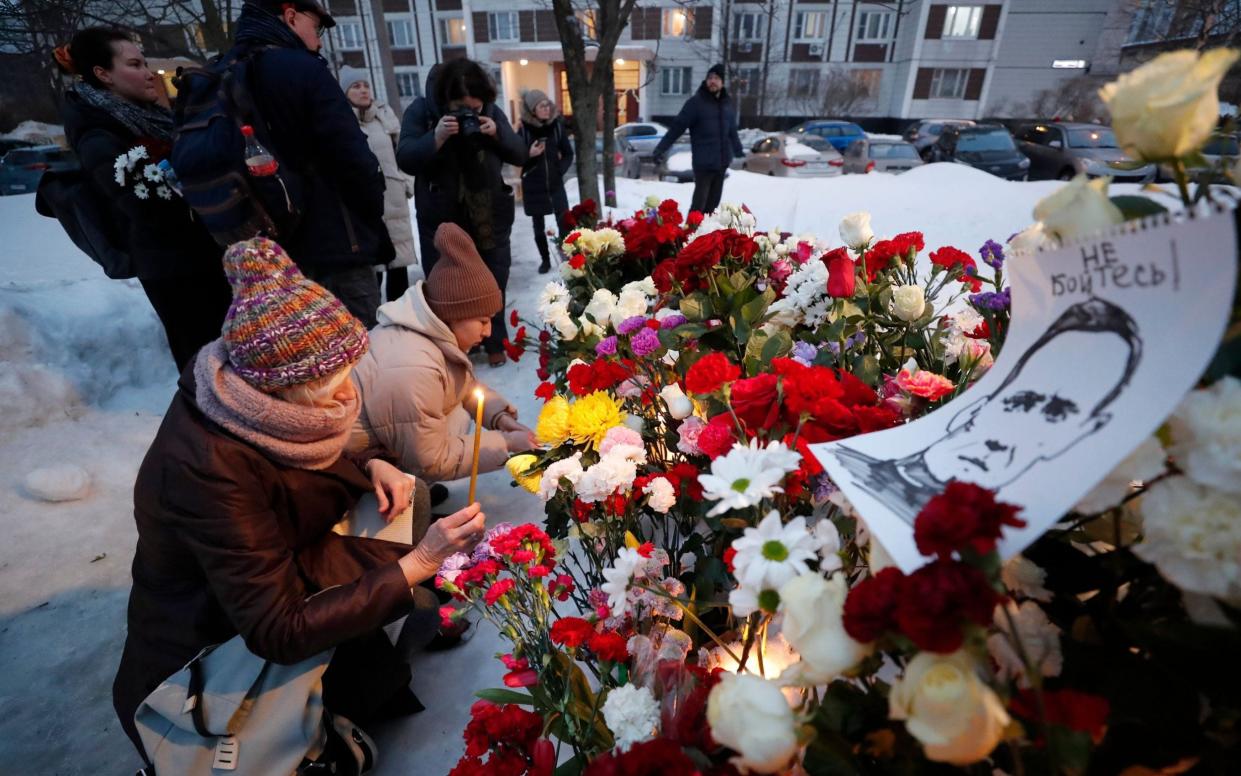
x=803, y=82
x=675, y=80
x=503, y=26
x=1152, y=21
x=586, y=22
x=747, y=82
x=810, y=25
x=873, y=26
x=401, y=33
x=747, y=26
x=678, y=22
x=408, y=86
x=452, y=31
x=948, y=84
x=349, y=36
x=962, y=21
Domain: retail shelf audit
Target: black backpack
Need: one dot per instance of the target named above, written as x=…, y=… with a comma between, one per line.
x=87, y=217
x=208, y=153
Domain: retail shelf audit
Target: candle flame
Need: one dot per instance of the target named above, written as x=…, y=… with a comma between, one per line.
x=478, y=394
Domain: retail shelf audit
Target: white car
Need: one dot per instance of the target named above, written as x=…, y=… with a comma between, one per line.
x=802, y=156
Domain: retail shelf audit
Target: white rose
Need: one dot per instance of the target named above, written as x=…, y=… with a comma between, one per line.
x=1029, y=239
x=813, y=607
x=631, y=303
x=661, y=496
x=1206, y=435
x=855, y=230
x=750, y=715
x=679, y=405
x=1079, y=208
x=946, y=706
x=1145, y=462
x=602, y=307
x=1022, y=576
x=908, y=302
x=1193, y=536
x=632, y=714
x=634, y=422
x=565, y=326
x=1168, y=107
x=1040, y=641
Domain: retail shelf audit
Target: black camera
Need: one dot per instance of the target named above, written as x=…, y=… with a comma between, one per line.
x=467, y=122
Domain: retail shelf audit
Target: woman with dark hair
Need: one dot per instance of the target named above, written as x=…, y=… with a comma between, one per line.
x=455, y=141
x=542, y=177
x=111, y=110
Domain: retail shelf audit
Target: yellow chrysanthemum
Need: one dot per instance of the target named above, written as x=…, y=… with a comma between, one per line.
x=553, y=426
x=591, y=416
x=517, y=467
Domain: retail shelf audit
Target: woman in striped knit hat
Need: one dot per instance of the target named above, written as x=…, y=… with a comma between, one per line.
x=236, y=500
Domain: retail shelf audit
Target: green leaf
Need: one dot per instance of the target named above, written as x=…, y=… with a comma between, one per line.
x=866, y=368
x=775, y=346
x=1134, y=207
x=694, y=307
x=688, y=331
x=501, y=696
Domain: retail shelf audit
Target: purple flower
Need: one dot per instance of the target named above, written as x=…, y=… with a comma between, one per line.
x=834, y=348
x=610, y=194
x=822, y=487
x=644, y=342
x=630, y=325
x=673, y=321
x=856, y=340
x=992, y=253
x=606, y=347
x=804, y=353
x=483, y=550
x=995, y=301
x=454, y=564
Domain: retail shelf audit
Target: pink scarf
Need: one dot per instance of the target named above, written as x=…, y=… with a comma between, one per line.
x=289, y=434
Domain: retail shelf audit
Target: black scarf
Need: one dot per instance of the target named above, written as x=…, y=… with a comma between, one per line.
x=258, y=27
x=152, y=121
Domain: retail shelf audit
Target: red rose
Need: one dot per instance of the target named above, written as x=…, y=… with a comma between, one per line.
x=543, y=758
x=657, y=757
x=699, y=256
x=936, y=601
x=664, y=275
x=718, y=437
x=693, y=219
x=609, y=645
x=841, y=273
x=1067, y=708
x=754, y=400
x=965, y=517
x=710, y=372
x=571, y=632
x=585, y=379
x=870, y=608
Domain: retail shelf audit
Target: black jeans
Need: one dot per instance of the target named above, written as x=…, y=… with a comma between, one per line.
x=540, y=234
x=355, y=287
x=708, y=188
x=192, y=310
x=398, y=282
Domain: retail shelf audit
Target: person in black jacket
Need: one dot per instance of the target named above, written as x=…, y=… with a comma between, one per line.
x=315, y=134
x=712, y=122
x=111, y=110
x=455, y=142
x=542, y=176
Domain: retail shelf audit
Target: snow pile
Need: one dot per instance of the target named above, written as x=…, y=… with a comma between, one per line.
x=37, y=132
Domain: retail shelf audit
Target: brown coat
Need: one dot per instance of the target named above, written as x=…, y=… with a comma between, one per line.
x=417, y=391
x=230, y=542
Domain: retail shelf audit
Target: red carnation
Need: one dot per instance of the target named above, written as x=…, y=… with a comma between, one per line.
x=870, y=608
x=609, y=645
x=729, y=555
x=561, y=587
x=1067, y=708
x=949, y=257
x=497, y=590
x=684, y=479
x=577, y=261
x=572, y=238
x=571, y=632
x=754, y=400
x=875, y=418
x=937, y=598
x=841, y=273
x=965, y=517
x=545, y=391
x=512, y=319
x=880, y=257
x=710, y=372
x=718, y=437
x=856, y=391
x=908, y=243
x=805, y=386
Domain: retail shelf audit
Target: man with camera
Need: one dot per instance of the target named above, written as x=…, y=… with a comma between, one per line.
x=455, y=142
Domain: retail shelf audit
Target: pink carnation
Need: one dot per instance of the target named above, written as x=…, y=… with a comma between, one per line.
x=689, y=430
x=928, y=385
x=619, y=435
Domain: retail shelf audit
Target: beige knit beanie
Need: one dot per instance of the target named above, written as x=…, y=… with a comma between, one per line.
x=460, y=285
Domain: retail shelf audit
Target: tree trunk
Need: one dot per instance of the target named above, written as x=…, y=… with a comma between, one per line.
x=215, y=28
x=388, y=70
x=607, y=89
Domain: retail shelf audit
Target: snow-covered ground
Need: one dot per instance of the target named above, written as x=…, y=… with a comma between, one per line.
x=85, y=378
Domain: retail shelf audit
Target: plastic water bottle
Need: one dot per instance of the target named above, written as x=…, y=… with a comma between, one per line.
x=170, y=175
x=259, y=160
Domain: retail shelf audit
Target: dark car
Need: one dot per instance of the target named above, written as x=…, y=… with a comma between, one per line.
x=9, y=143
x=839, y=133
x=1064, y=151
x=923, y=134
x=1220, y=152
x=21, y=168
x=985, y=147
x=871, y=155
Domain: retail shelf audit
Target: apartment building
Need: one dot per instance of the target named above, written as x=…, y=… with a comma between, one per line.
x=896, y=59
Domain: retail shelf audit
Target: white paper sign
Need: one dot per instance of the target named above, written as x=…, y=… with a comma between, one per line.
x=1107, y=335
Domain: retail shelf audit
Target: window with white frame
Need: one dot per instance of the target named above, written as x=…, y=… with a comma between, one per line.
x=747, y=82
x=810, y=25
x=349, y=36
x=948, y=84
x=747, y=26
x=873, y=25
x=586, y=22
x=503, y=25
x=962, y=21
x=452, y=31
x=675, y=80
x=401, y=33
x=803, y=82
x=407, y=85
x=678, y=22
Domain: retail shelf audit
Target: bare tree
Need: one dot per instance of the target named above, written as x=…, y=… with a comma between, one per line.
x=1076, y=99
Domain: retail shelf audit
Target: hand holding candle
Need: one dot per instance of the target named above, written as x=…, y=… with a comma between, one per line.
x=478, y=438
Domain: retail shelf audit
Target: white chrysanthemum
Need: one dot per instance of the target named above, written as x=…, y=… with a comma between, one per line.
x=135, y=155
x=773, y=552
x=1145, y=462
x=661, y=496
x=1193, y=536
x=746, y=475
x=805, y=299
x=141, y=191
x=152, y=173
x=1206, y=435
x=610, y=242
x=1040, y=641
x=1023, y=576
x=616, y=578
x=163, y=192
x=632, y=714
x=120, y=176
x=827, y=537
x=552, y=300
x=569, y=469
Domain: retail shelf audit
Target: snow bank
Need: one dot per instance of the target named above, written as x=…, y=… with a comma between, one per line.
x=37, y=132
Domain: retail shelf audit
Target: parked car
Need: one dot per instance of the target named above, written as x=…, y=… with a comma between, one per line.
x=793, y=156
x=923, y=134
x=873, y=155
x=984, y=147
x=21, y=168
x=839, y=133
x=678, y=164
x=642, y=136
x=1064, y=150
x=1221, y=152
x=9, y=143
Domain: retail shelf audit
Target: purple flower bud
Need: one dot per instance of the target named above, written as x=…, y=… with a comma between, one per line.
x=992, y=253
x=630, y=325
x=644, y=342
x=673, y=321
x=606, y=346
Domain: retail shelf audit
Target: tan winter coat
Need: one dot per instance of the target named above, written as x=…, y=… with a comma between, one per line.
x=417, y=396
x=382, y=128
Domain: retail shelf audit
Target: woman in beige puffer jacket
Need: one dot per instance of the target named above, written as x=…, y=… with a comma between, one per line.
x=382, y=128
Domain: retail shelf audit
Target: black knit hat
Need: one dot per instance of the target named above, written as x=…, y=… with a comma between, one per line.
x=276, y=7
x=717, y=69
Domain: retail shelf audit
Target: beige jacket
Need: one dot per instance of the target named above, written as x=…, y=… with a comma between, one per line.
x=382, y=128
x=417, y=397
